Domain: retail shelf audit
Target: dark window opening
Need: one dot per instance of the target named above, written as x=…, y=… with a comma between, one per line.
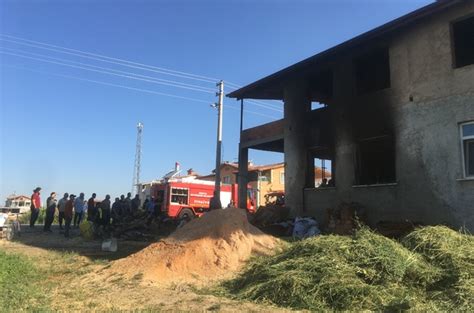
x=372, y=71
x=376, y=161
x=463, y=42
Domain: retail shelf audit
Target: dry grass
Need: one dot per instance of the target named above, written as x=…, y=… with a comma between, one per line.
x=431, y=270
x=48, y=280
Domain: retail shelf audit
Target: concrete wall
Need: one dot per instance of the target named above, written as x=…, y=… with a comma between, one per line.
x=427, y=100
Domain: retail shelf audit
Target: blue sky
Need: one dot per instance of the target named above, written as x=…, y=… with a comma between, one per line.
x=67, y=129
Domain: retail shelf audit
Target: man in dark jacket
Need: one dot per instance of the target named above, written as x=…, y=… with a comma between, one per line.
x=105, y=208
x=68, y=212
x=61, y=207
x=117, y=211
x=92, y=209
x=51, y=203
x=135, y=205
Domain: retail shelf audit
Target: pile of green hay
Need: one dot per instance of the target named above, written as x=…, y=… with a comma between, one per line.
x=431, y=269
x=453, y=253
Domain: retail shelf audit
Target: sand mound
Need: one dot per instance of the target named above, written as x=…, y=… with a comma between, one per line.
x=206, y=249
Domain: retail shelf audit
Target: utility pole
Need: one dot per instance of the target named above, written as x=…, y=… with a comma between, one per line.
x=216, y=200
x=138, y=155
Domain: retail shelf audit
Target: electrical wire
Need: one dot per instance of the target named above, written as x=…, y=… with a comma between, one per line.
x=110, y=69
x=270, y=105
x=191, y=76
x=151, y=80
x=108, y=84
x=277, y=106
x=122, y=62
x=99, y=57
x=252, y=112
x=131, y=88
x=104, y=72
x=144, y=67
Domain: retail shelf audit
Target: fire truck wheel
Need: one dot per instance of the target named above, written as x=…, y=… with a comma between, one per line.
x=186, y=213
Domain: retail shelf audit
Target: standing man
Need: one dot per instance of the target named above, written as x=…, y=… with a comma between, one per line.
x=135, y=205
x=91, y=209
x=51, y=203
x=116, y=211
x=61, y=206
x=105, y=207
x=150, y=211
x=78, y=209
x=68, y=208
x=123, y=207
x=128, y=204
x=35, y=206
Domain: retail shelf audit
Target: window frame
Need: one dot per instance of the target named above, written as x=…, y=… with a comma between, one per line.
x=179, y=195
x=282, y=178
x=463, y=154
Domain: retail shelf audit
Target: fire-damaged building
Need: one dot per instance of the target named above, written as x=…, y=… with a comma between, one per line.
x=395, y=118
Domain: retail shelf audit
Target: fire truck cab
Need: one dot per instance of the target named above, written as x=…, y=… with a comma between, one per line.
x=190, y=197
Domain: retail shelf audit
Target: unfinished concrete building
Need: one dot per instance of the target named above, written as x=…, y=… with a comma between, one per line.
x=396, y=122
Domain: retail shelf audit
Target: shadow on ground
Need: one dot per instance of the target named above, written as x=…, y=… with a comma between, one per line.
x=56, y=241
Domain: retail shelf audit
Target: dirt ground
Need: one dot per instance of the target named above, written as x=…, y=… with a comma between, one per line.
x=75, y=270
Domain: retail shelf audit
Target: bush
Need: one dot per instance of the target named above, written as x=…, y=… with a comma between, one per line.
x=364, y=272
x=25, y=217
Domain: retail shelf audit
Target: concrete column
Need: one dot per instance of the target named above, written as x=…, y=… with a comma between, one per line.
x=297, y=104
x=243, y=176
x=345, y=146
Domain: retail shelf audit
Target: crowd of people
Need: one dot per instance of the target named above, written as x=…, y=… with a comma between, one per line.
x=74, y=209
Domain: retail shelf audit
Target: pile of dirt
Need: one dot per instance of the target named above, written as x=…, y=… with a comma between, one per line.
x=206, y=249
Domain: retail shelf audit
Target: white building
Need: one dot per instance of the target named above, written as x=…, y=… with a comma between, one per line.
x=18, y=201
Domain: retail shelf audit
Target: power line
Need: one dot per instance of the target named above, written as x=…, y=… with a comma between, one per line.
x=107, y=61
x=190, y=75
x=126, y=63
x=277, y=106
x=151, y=79
x=252, y=112
x=111, y=84
x=130, y=88
x=264, y=106
x=105, y=72
x=102, y=57
x=110, y=69
x=230, y=84
x=269, y=105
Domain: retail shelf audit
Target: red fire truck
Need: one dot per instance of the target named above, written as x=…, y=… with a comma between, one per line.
x=190, y=197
